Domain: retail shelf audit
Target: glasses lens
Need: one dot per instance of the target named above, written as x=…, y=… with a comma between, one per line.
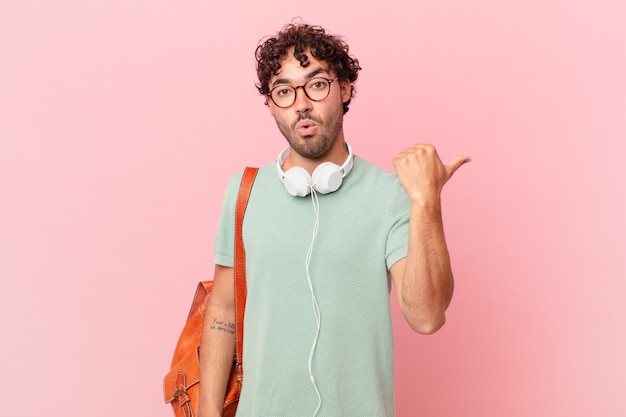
x=317, y=88
x=283, y=95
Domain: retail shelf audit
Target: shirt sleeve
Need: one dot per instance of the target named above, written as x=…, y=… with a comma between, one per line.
x=398, y=237
x=225, y=236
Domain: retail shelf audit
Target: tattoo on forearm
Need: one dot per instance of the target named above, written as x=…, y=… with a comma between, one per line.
x=221, y=326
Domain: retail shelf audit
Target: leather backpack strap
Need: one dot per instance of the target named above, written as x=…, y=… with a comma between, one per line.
x=241, y=290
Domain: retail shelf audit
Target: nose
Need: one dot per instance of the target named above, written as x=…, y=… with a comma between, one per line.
x=302, y=103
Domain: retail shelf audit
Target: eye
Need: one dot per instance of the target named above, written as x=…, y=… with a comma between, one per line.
x=318, y=84
x=282, y=91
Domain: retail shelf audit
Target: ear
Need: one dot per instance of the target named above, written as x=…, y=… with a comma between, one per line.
x=346, y=90
x=269, y=105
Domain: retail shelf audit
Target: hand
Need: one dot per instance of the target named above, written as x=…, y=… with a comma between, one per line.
x=422, y=174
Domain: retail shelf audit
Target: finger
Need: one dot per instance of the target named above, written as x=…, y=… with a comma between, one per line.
x=456, y=163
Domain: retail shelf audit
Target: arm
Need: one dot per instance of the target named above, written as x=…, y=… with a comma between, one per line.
x=217, y=345
x=423, y=280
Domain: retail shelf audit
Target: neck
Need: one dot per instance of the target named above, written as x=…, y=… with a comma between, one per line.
x=337, y=154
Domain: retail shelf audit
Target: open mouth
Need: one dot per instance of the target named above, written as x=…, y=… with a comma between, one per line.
x=305, y=124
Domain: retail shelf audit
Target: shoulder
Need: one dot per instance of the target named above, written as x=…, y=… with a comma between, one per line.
x=265, y=183
x=382, y=188
x=372, y=177
x=264, y=173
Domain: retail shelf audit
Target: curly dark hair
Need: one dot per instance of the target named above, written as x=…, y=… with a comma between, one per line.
x=302, y=37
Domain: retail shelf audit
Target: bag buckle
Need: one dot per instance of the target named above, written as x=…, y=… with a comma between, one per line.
x=181, y=395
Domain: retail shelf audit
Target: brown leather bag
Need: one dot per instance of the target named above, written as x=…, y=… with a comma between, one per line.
x=181, y=386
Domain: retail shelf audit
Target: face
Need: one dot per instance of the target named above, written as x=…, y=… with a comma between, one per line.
x=310, y=127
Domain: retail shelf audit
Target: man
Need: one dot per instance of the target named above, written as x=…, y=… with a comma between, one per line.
x=323, y=233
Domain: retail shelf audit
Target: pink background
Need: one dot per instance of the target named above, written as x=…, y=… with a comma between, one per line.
x=120, y=122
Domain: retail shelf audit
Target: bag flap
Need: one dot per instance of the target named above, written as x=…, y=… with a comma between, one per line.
x=183, y=375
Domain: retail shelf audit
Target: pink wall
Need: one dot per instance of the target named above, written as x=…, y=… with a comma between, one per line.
x=120, y=122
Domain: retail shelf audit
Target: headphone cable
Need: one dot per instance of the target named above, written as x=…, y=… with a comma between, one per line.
x=316, y=308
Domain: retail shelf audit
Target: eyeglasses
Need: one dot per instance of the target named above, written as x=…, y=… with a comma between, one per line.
x=316, y=89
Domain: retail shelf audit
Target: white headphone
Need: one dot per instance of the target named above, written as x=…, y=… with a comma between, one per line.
x=327, y=176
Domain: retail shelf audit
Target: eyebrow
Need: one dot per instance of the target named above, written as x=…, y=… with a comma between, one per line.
x=308, y=77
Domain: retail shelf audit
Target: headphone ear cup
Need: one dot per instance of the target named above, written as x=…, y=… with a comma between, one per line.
x=327, y=178
x=297, y=182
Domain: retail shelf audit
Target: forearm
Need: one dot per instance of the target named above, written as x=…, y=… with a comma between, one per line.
x=216, y=359
x=427, y=284
x=424, y=278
